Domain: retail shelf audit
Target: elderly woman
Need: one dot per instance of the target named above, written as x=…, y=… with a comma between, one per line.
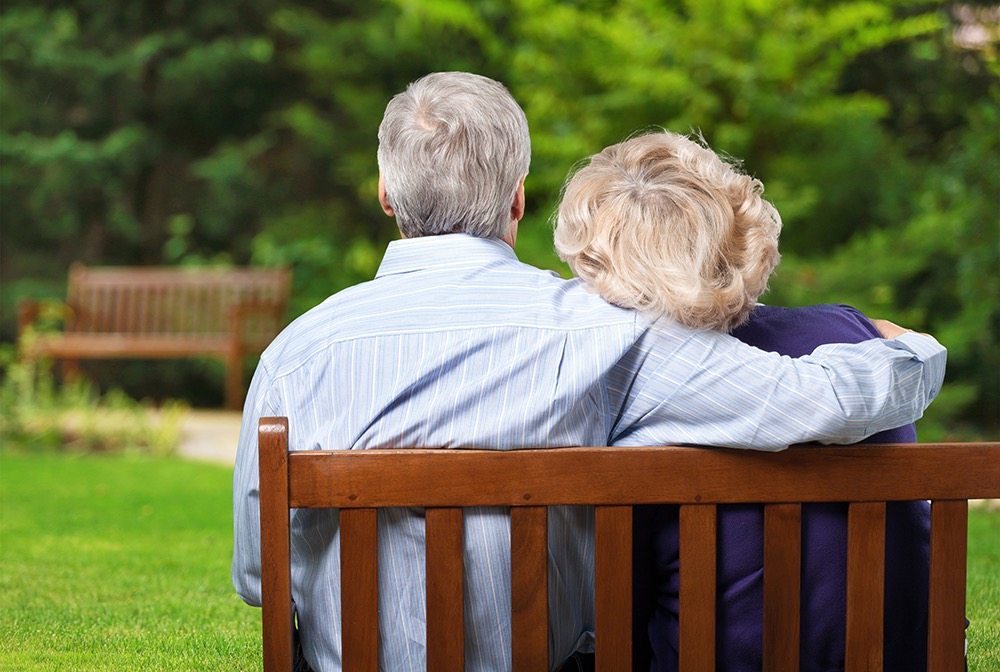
x=660, y=223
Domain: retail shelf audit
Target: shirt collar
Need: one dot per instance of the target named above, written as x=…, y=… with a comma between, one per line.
x=453, y=249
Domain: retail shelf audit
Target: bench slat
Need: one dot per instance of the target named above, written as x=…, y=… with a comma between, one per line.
x=697, y=592
x=613, y=587
x=359, y=589
x=128, y=311
x=123, y=308
x=865, y=586
x=97, y=312
x=116, y=301
x=782, y=572
x=276, y=590
x=169, y=319
x=445, y=581
x=946, y=608
x=529, y=588
x=126, y=346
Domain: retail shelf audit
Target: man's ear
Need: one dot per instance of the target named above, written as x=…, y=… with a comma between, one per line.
x=383, y=199
x=516, y=213
x=517, y=207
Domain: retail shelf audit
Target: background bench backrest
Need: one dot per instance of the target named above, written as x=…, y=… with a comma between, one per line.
x=613, y=479
x=175, y=301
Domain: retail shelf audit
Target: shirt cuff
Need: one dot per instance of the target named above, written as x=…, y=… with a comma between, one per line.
x=927, y=349
x=923, y=346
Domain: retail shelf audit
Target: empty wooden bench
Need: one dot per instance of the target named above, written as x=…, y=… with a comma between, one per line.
x=165, y=312
x=613, y=480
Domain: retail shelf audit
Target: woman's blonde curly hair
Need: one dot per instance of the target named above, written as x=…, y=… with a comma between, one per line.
x=660, y=223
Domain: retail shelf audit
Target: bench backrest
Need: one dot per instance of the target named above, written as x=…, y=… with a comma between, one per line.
x=175, y=301
x=614, y=479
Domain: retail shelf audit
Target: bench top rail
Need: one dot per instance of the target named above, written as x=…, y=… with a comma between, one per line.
x=347, y=479
x=176, y=302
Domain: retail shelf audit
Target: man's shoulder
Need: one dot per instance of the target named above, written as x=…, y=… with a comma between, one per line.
x=312, y=329
x=518, y=298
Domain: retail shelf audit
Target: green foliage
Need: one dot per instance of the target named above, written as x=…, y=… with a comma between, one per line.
x=935, y=270
x=221, y=133
x=119, y=117
x=119, y=562
x=38, y=413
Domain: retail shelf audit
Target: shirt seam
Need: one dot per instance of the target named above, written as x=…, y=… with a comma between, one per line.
x=268, y=404
x=347, y=339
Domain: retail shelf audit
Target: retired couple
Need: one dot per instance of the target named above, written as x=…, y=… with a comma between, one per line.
x=456, y=343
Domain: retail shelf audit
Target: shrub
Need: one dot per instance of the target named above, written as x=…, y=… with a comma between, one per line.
x=37, y=412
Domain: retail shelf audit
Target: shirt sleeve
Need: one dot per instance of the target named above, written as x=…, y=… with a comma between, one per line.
x=246, y=493
x=707, y=388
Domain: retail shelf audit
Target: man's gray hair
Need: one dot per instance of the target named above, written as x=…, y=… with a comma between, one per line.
x=453, y=149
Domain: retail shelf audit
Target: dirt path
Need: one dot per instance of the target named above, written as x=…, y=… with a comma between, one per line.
x=210, y=436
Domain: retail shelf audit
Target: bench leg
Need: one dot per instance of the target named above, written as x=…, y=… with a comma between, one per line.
x=71, y=370
x=234, y=381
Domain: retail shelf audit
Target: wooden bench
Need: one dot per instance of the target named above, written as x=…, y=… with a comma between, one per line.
x=165, y=312
x=614, y=479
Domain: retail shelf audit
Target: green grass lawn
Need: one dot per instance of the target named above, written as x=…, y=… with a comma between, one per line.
x=119, y=563
x=983, y=594
x=111, y=563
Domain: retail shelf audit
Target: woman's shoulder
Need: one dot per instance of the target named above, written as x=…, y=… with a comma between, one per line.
x=800, y=330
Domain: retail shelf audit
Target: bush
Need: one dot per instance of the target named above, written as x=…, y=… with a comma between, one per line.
x=39, y=413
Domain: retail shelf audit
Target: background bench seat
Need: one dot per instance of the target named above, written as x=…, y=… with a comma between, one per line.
x=165, y=313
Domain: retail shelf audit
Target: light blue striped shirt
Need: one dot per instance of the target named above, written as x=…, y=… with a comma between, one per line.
x=456, y=343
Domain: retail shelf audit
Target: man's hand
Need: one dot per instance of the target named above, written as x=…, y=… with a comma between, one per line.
x=888, y=329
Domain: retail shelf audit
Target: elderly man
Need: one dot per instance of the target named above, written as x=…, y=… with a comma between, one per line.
x=456, y=343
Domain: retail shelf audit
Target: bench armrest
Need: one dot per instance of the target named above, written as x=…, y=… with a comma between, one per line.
x=27, y=314
x=30, y=311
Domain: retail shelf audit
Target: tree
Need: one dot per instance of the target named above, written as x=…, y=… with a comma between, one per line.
x=231, y=132
x=131, y=133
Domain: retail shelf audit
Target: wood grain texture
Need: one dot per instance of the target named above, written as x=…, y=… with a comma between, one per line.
x=529, y=588
x=782, y=574
x=645, y=475
x=946, y=615
x=359, y=589
x=445, y=592
x=613, y=586
x=276, y=577
x=865, y=586
x=616, y=478
x=697, y=594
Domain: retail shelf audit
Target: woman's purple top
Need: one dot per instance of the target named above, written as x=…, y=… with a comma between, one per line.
x=739, y=612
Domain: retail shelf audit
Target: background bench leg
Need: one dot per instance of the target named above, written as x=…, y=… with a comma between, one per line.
x=234, y=382
x=71, y=370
